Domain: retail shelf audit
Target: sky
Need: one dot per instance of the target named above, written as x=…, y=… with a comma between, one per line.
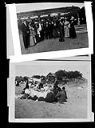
x=40, y=6
x=44, y=67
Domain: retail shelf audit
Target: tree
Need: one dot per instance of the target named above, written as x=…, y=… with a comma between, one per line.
x=60, y=74
x=36, y=76
x=74, y=74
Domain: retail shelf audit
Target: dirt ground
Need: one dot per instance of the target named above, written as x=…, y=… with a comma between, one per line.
x=75, y=107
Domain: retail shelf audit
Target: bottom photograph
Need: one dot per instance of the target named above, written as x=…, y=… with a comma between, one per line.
x=50, y=89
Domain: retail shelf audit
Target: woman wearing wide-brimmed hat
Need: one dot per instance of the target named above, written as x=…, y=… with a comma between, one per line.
x=72, y=28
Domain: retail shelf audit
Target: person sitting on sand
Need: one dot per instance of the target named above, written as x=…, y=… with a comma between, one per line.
x=26, y=94
x=50, y=97
x=62, y=96
x=56, y=89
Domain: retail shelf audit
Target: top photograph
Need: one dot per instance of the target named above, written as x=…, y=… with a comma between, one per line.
x=51, y=27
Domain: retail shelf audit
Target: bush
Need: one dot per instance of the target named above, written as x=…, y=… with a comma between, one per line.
x=62, y=74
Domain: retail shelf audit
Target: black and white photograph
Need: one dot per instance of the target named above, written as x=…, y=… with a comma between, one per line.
x=51, y=89
x=45, y=27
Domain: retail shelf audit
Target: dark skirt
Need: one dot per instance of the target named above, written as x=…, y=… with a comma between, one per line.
x=33, y=98
x=72, y=32
x=50, y=97
x=61, y=36
x=26, y=40
x=55, y=33
x=41, y=99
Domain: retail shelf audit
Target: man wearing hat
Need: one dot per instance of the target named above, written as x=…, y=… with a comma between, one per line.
x=61, y=30
x=72, y=28
x=25, y=34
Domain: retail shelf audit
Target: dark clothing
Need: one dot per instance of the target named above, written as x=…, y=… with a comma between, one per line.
x=55, y=33
x=50, y=97
x=50, y=30
x=46, y=28
x=25, y=34
x=61, y=96
x=27, y=86
x=40, y=86
x=56, y=90
x=61, y=30
x=41, y=99
x=33, y=98
x=72, y=30
x=25, y=96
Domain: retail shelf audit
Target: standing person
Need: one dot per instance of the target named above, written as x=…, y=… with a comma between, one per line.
x=46, y=30
x=61, y=30
x=72, y=28
x=25, y=34
x=50, y=30
x=32, y=35
x=39, y=31
x=42, y=31
x=55, y=34
x=66, y=28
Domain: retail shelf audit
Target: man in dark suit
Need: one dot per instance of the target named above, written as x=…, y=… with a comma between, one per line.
x=25, y=34
x=61, y=30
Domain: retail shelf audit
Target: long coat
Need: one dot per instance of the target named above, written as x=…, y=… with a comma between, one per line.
x=72, y=30
x=61, y=30
x=25, y=34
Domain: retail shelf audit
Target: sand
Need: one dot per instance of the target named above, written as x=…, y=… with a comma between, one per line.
x=75, y=107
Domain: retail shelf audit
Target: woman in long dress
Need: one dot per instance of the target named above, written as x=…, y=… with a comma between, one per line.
x=55, y=33
x=66, y=28
x=32, y=36
x=72, y=29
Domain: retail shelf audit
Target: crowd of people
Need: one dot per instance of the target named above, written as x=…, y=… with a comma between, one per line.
x=34, y=31
x=38, y=91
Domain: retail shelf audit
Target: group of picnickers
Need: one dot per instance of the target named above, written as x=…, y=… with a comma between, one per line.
x=38, y=91
x=34, y=32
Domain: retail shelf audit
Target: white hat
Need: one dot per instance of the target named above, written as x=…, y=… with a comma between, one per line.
x=27, y=91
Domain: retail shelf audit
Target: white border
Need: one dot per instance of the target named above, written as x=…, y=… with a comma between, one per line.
x=11, y=103
x=18, y=56
x=14, y=28
x=50, y=55
x=89, y=21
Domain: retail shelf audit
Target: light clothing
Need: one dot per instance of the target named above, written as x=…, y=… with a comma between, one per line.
x=66, y=29
x=27, y=91
x=38, y=94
